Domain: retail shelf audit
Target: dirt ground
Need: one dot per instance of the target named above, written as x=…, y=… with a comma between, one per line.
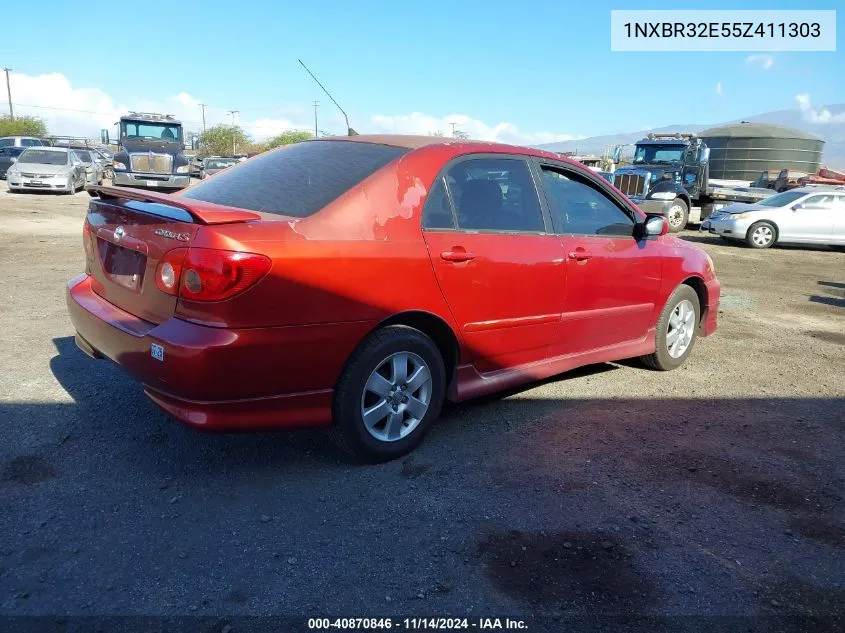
x=711, y=496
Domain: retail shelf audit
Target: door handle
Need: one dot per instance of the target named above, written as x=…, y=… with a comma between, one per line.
x=579, y=255
x=457, y=256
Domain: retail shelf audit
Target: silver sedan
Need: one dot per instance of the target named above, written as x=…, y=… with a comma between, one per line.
x=808, y=215
x=47, y=169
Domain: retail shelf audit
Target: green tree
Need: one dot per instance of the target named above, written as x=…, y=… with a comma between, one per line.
x=289, y=137
x=22, y=126
x=223, y=140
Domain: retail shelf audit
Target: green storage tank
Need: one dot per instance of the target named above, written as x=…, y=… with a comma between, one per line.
x=740, y=151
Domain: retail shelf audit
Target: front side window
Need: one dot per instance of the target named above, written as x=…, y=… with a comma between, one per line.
x=580, y=208
x=822, y=203
x=43, y=157
x=84, y=156
x=495, y=194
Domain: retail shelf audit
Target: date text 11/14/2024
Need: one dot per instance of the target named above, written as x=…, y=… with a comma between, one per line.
x=417, y=624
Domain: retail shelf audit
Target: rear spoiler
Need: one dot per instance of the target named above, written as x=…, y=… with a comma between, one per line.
x=202, y=212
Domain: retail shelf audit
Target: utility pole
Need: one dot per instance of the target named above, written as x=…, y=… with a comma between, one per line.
x=453, y=124
x=202, y=105
x=316, y=133
x=233, y=113
x=9, y=92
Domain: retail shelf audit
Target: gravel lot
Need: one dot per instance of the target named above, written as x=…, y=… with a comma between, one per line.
x=715, y=490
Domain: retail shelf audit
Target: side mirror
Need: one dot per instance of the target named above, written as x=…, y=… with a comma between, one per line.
x=655, y=225
x=704, y=158
x=617, y=154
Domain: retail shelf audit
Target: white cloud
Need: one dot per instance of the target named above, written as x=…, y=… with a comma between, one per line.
x=817, y=115
x=763, y=61
x=419, y=123
x=70, y=110
x=719, y=88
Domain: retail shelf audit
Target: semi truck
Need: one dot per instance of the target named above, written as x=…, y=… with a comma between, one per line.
x=150, y=152
x=669, y=175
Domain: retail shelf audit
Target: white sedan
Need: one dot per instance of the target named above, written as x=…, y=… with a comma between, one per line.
x=47, y=169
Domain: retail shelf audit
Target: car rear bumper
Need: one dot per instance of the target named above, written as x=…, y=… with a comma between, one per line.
x=150, y=181
x=218, y=378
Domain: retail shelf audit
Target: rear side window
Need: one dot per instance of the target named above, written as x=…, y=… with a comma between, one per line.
x=495, y=194
x=438, y=210
x=30, y=142
x=298, y=180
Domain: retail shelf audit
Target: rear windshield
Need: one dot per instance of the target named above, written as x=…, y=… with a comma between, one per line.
x=298, y=180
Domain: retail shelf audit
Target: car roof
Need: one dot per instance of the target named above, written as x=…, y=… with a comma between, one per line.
x=819, y=189
x=49, y=148
x=460, y=146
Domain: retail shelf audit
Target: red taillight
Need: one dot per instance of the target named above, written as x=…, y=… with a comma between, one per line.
x=88, y=238
x=214, y=275
x=169, y=270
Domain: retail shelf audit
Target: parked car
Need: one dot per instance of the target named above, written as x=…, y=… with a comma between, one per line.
x=196, y=167
x=212, y=165
x=356, y=283
x=93, y=168
x=21, y=141
x=806, y=215
x=8, y=157
x=46, y=169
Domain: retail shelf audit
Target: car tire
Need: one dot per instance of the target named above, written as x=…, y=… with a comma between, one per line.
x=71, y=187
x=761, y=235
x=681, y=316
x=677, y=215
x=372, y=383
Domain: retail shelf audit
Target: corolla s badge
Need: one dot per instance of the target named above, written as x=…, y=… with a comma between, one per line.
x=119, y=232
x=182, y=237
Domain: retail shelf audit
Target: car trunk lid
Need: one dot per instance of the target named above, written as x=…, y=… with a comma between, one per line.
x=128, y=233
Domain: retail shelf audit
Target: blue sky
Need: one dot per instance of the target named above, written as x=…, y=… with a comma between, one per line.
x=537, y=67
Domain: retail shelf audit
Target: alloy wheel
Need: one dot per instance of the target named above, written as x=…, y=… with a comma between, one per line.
x=396, y=396
x=680, y=329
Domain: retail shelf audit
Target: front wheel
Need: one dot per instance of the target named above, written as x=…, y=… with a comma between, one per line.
x=761, y=235
x=677, y=329
x=389, y=393
x=678, y=215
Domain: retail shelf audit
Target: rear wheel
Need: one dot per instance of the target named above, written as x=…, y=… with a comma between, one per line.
x=388, y=395
x=677, y=329
x=677, y=215
x=761, y=235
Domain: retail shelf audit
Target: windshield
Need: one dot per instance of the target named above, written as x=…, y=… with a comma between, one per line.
x=659, y=154
x=219, y=164
x=151, y=131
x=782, y=199
x=84, y=156
x=43, y=157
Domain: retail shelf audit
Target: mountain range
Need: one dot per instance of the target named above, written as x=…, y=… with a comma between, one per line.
x=830, y=128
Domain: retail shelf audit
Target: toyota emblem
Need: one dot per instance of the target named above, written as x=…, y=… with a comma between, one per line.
x=119, y=232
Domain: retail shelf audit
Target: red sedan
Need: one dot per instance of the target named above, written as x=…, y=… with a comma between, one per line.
x=357, y=283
